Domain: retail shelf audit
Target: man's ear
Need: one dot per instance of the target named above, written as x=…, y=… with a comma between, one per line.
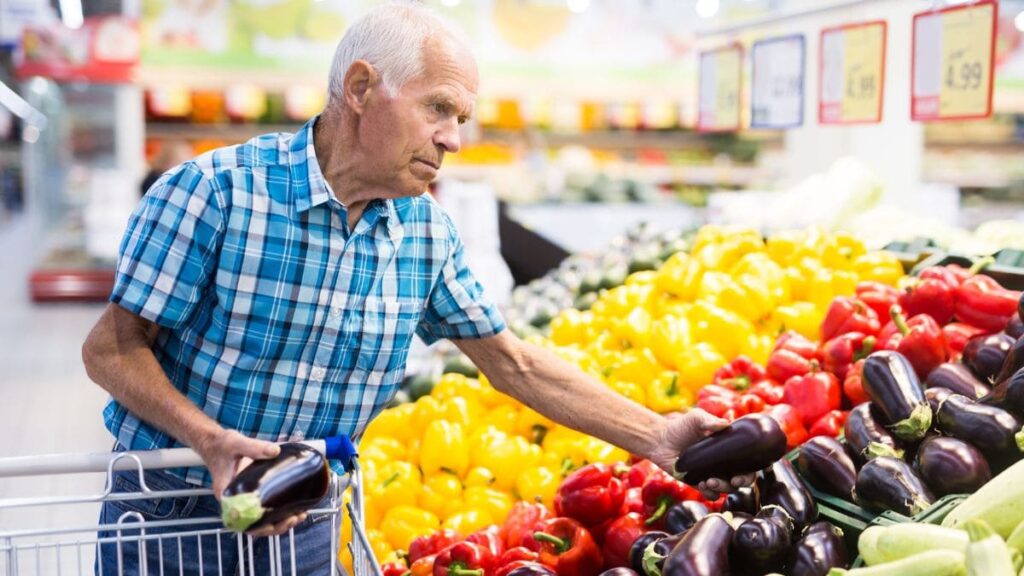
x=360, y=80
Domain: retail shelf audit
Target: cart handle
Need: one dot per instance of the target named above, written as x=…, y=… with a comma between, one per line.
x=335, y=448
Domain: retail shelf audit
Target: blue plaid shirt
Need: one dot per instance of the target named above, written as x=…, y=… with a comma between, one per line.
x=275, y=319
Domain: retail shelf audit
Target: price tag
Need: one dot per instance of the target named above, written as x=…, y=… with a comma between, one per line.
x=954, y=49
x=852, y=73
x=719, y=98
x=777, y=90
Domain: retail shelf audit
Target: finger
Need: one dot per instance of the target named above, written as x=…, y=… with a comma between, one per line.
x=242, y=464
x=741, y=481
x=717, y=485
x=255, y=449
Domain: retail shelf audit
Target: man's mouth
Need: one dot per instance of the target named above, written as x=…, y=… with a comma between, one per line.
x=429, y=163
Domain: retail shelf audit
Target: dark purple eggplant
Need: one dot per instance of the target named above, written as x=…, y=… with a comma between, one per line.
x=533, y=569
x=703, y=550
x=745, y=499
x=636, y=551
x=958, y=378
x=896, y=392
x=891, y=484
x=778, y=513
x=1008, y=395
x=994, y=431
x=681, y=516
x=1020, y=307
x=657, y=552
x=986, y=354
x=1015, y=327
x=951, y=466
x=620, y=571
x=1014, y=361
x=866, y=437
x=761, y=545
x=270, y=490
x=936, y=395
x=747, y=445
x=780, y=485
x=819, y=550
x=825, y=464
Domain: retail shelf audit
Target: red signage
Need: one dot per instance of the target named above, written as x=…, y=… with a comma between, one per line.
x=104, y=50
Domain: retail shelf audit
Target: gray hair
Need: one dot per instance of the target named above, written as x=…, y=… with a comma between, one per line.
x=391, y=38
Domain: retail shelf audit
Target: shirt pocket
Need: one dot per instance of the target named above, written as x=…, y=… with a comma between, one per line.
x=385, y=333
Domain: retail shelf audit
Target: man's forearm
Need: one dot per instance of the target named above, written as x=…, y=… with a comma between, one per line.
x=119, y=359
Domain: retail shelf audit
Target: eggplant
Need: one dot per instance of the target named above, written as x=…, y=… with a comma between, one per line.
x=936, y=395
x=681, y=516
x=1015, y=327
x=273, y=489
x=866, y=437
x=819, y=550
x=778, y=513
x=780, y=485
x=747, y=445
x=636, y=551
x=895, y=390
x=1020, y=307
x=746, y=499
x=533, y=569
x=891, y=484
x=620, y=571
x=1014, y=361
x=957, y=378
x=653, y=559
x=703, y=550
x=951, y=466
x=995, y=432
x=1008, y=395
x=825, y=464
x=761, y=545
x=986, y=354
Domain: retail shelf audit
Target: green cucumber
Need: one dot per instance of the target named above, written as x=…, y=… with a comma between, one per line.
x=931, y=563
x=987, y=554
x=881, y=544
x=1000, y=503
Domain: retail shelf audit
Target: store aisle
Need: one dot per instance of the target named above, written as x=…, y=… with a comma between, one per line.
x=47, y=404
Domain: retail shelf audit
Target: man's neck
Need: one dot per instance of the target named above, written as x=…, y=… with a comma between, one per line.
x=330, y=141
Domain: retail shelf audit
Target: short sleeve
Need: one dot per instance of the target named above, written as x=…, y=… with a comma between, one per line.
x=169, y=251
x=457, y=308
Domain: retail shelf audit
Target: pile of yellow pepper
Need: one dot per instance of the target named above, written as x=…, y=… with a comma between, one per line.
x=461, y=456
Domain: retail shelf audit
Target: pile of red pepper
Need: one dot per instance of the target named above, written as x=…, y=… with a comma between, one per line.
x=600, y=511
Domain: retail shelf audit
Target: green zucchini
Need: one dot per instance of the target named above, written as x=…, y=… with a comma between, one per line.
x=1000, y=503
x=987, y=554
x=881, y=544
x=931, y=563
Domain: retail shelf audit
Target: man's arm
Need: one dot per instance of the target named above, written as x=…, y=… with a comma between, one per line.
x=561, y=391
x=119, y=358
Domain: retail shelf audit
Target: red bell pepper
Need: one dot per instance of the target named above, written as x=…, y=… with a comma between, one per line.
x=619, y=539
x=797, y=343
x=490, y=540
x=812, y=395
x=853, y=385
x=634, y=501
x=432, y=543
x=567, y=547
x=462, y=559
x=423, y=567
x=982, y=302
x=751, y=404
x=842, y=351
x=639, y=472
x=740, y=374
x=767, y=390
x=393, y=569
x=848, y=314
x=591, y=495
x=518, y=527
x=920, y=339
x=790, y=422
x=718, y=400
x=784, y=364
x=930, y=296
x=877, y=296
x=659, y=494
x=831, y=424
x=952, y=275
x=956, y=335
x=514, y=558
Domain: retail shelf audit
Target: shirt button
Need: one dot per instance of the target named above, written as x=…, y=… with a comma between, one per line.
x=318, y=373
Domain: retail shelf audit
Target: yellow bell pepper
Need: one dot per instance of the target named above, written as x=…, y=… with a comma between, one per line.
x=491, y=500
x=437, y=491
x=403, y=524
x=505, y=456
x=454, y=385
x=680, y=276
x=478, y=476
x=636, y=365
x=490, y=397
x=599, y=451
x=633, y=330
x=786, y=247
x=670, y=335
x=844, y=282
x=641, y=278
x=840, y=250
x=391, y=423
x=463, y=411
x=724, y=254
x=761, y=266
x=378, y=543
x=564, y=448
x=759, y=347
x=538, y=484
x=878, y=266
x=727, y=330
x=382, y=448
x=532, y=425
x=444, y=448
x=799, y=281
x=570, y=327
x=804, y=317
x=399, y=484
x=697, y=365
x=746, y=295
x=502, y=417
x=427, y=409
x=412, y=454
x=664, y=394
x=630, y=390
x=468, y=521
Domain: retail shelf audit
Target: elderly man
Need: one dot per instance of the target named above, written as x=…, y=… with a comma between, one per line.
x=269, y=291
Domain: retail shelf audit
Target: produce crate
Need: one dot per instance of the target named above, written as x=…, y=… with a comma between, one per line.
x=1011, y=277
x=911, y=253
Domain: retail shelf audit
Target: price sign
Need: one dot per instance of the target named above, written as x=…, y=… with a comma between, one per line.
x=718, y=107
x=954, y=49
x=777, y=91
x=852, y=73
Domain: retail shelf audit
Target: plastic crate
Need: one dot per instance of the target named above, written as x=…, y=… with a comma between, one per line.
x=1011, y=277
x=912, y=252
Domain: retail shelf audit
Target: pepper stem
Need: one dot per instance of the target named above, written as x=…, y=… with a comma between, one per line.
x=896, y=313
x=866, y=348
x=465, y=571
x=739, y=383
x=663, y=504
x=980, y=265
x=561, y=545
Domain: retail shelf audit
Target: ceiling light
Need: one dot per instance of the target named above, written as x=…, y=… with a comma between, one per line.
x=707, y=8
x=71, y=13
x=578, y=6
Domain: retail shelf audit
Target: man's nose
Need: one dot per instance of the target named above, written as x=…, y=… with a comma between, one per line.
x=447, y=136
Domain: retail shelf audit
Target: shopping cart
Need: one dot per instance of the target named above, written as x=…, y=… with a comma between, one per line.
x=60, y=551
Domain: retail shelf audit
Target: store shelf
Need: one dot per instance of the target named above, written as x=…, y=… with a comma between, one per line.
x=655, y=175
x=622, y=139
x=233, y=132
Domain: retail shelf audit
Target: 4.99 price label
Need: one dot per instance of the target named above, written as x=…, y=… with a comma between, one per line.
x=852, y=76
x=954, y=49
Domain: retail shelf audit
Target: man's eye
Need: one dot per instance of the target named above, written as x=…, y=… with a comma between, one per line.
x=441, y=109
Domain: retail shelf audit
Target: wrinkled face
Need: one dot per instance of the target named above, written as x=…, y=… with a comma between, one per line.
x=405, y=138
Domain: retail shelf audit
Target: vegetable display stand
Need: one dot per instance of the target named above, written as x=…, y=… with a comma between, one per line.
x=912, y=252
x=1010, y=277
x=158, y=544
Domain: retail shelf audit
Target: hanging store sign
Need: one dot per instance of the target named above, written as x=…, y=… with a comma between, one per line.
x=718, y=103
x=852, y=75
x=777, y=86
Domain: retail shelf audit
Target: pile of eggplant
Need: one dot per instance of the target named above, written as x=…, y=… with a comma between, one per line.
x=913, y=442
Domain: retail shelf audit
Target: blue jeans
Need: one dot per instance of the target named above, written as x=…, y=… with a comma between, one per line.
x=212, y=554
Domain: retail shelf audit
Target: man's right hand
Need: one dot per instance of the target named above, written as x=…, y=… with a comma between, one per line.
x=225, y=454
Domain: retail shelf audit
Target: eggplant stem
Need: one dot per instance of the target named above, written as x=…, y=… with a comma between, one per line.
x=658, y=512
x=240, y=511
x=914, y=426
x=896, y=313
x=877, y=449
x=1019, y=438
x=561, y=545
